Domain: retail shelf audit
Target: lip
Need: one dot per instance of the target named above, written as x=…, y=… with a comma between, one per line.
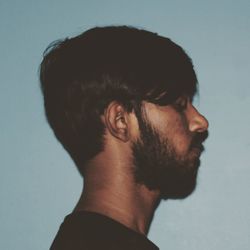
x=198, y=149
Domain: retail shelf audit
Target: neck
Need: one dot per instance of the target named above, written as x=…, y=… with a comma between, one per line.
x=118, y=197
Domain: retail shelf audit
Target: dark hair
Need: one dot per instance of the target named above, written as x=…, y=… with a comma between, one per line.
x=80, y=76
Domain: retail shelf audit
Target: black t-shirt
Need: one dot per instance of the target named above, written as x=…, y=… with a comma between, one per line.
x=92, y=231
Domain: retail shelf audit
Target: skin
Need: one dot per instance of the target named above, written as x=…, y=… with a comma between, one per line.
x=179, y=124
x=109, y=185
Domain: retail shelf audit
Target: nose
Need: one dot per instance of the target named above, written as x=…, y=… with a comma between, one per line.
x=198, y=122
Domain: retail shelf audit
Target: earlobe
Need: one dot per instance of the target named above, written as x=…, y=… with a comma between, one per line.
x=116, y=121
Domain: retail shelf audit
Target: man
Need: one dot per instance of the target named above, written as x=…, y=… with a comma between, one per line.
x=119, y=99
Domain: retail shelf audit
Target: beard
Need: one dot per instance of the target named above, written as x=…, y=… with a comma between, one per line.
x=159, y=167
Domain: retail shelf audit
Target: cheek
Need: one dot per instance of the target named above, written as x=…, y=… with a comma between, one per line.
x=177, y=134
x=181, y=143
x=180, y=135
x=173, y=126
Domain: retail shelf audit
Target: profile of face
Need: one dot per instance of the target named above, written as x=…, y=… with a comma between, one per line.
x=166, y=155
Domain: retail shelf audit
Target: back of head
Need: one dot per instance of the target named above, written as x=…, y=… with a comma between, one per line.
x=80, y=76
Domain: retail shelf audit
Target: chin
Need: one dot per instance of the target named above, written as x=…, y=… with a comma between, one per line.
x=182, y=185
x=182, y=192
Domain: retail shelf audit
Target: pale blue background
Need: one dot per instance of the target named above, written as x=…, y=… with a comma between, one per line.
x=39, y=184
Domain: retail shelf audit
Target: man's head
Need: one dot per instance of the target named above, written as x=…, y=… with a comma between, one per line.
x=146, y=74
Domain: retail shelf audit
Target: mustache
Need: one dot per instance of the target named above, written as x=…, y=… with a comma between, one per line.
x=199, y=138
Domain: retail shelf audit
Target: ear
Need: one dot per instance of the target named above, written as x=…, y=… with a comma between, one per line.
x=117, y=121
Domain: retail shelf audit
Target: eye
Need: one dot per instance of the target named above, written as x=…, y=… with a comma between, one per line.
x=181, y=103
